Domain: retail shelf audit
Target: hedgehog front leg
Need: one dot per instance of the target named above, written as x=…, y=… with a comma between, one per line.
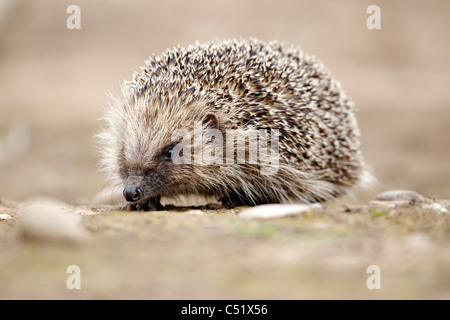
x=150, y=204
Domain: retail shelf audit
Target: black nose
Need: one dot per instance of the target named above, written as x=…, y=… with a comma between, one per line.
x=132, y=193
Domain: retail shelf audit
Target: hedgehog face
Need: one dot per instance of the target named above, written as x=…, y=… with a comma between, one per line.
x=142, y=182
x=150, y=160
x=146, y=171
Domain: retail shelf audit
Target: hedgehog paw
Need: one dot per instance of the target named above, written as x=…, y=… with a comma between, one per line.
x=152, y=204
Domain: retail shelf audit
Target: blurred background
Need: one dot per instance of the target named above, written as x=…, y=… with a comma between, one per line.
x=54, y=82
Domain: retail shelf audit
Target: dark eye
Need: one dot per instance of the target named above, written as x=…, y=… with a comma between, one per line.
x=168, y=152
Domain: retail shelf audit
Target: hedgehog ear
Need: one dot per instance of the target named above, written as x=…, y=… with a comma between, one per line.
x=211, y=120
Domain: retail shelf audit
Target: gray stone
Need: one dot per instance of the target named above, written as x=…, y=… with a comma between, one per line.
x=399, y=195
x=49, y=222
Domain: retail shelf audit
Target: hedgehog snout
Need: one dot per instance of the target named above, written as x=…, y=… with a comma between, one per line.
x=133, y=188
x=132, y=193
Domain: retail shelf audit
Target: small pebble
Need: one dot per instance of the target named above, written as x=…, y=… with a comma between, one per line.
x=195, y=212
x=399, y=195
x=273, y=211
x=47, y=222
x=4, y=216
x=435, y=207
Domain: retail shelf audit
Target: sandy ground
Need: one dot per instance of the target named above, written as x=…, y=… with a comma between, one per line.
x=217, y=254
x=54, y=84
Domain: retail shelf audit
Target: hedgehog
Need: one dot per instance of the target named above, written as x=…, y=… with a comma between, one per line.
x=232, y=88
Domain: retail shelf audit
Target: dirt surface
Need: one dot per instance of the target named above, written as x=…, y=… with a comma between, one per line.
x=54, y=84
x=216, y=254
